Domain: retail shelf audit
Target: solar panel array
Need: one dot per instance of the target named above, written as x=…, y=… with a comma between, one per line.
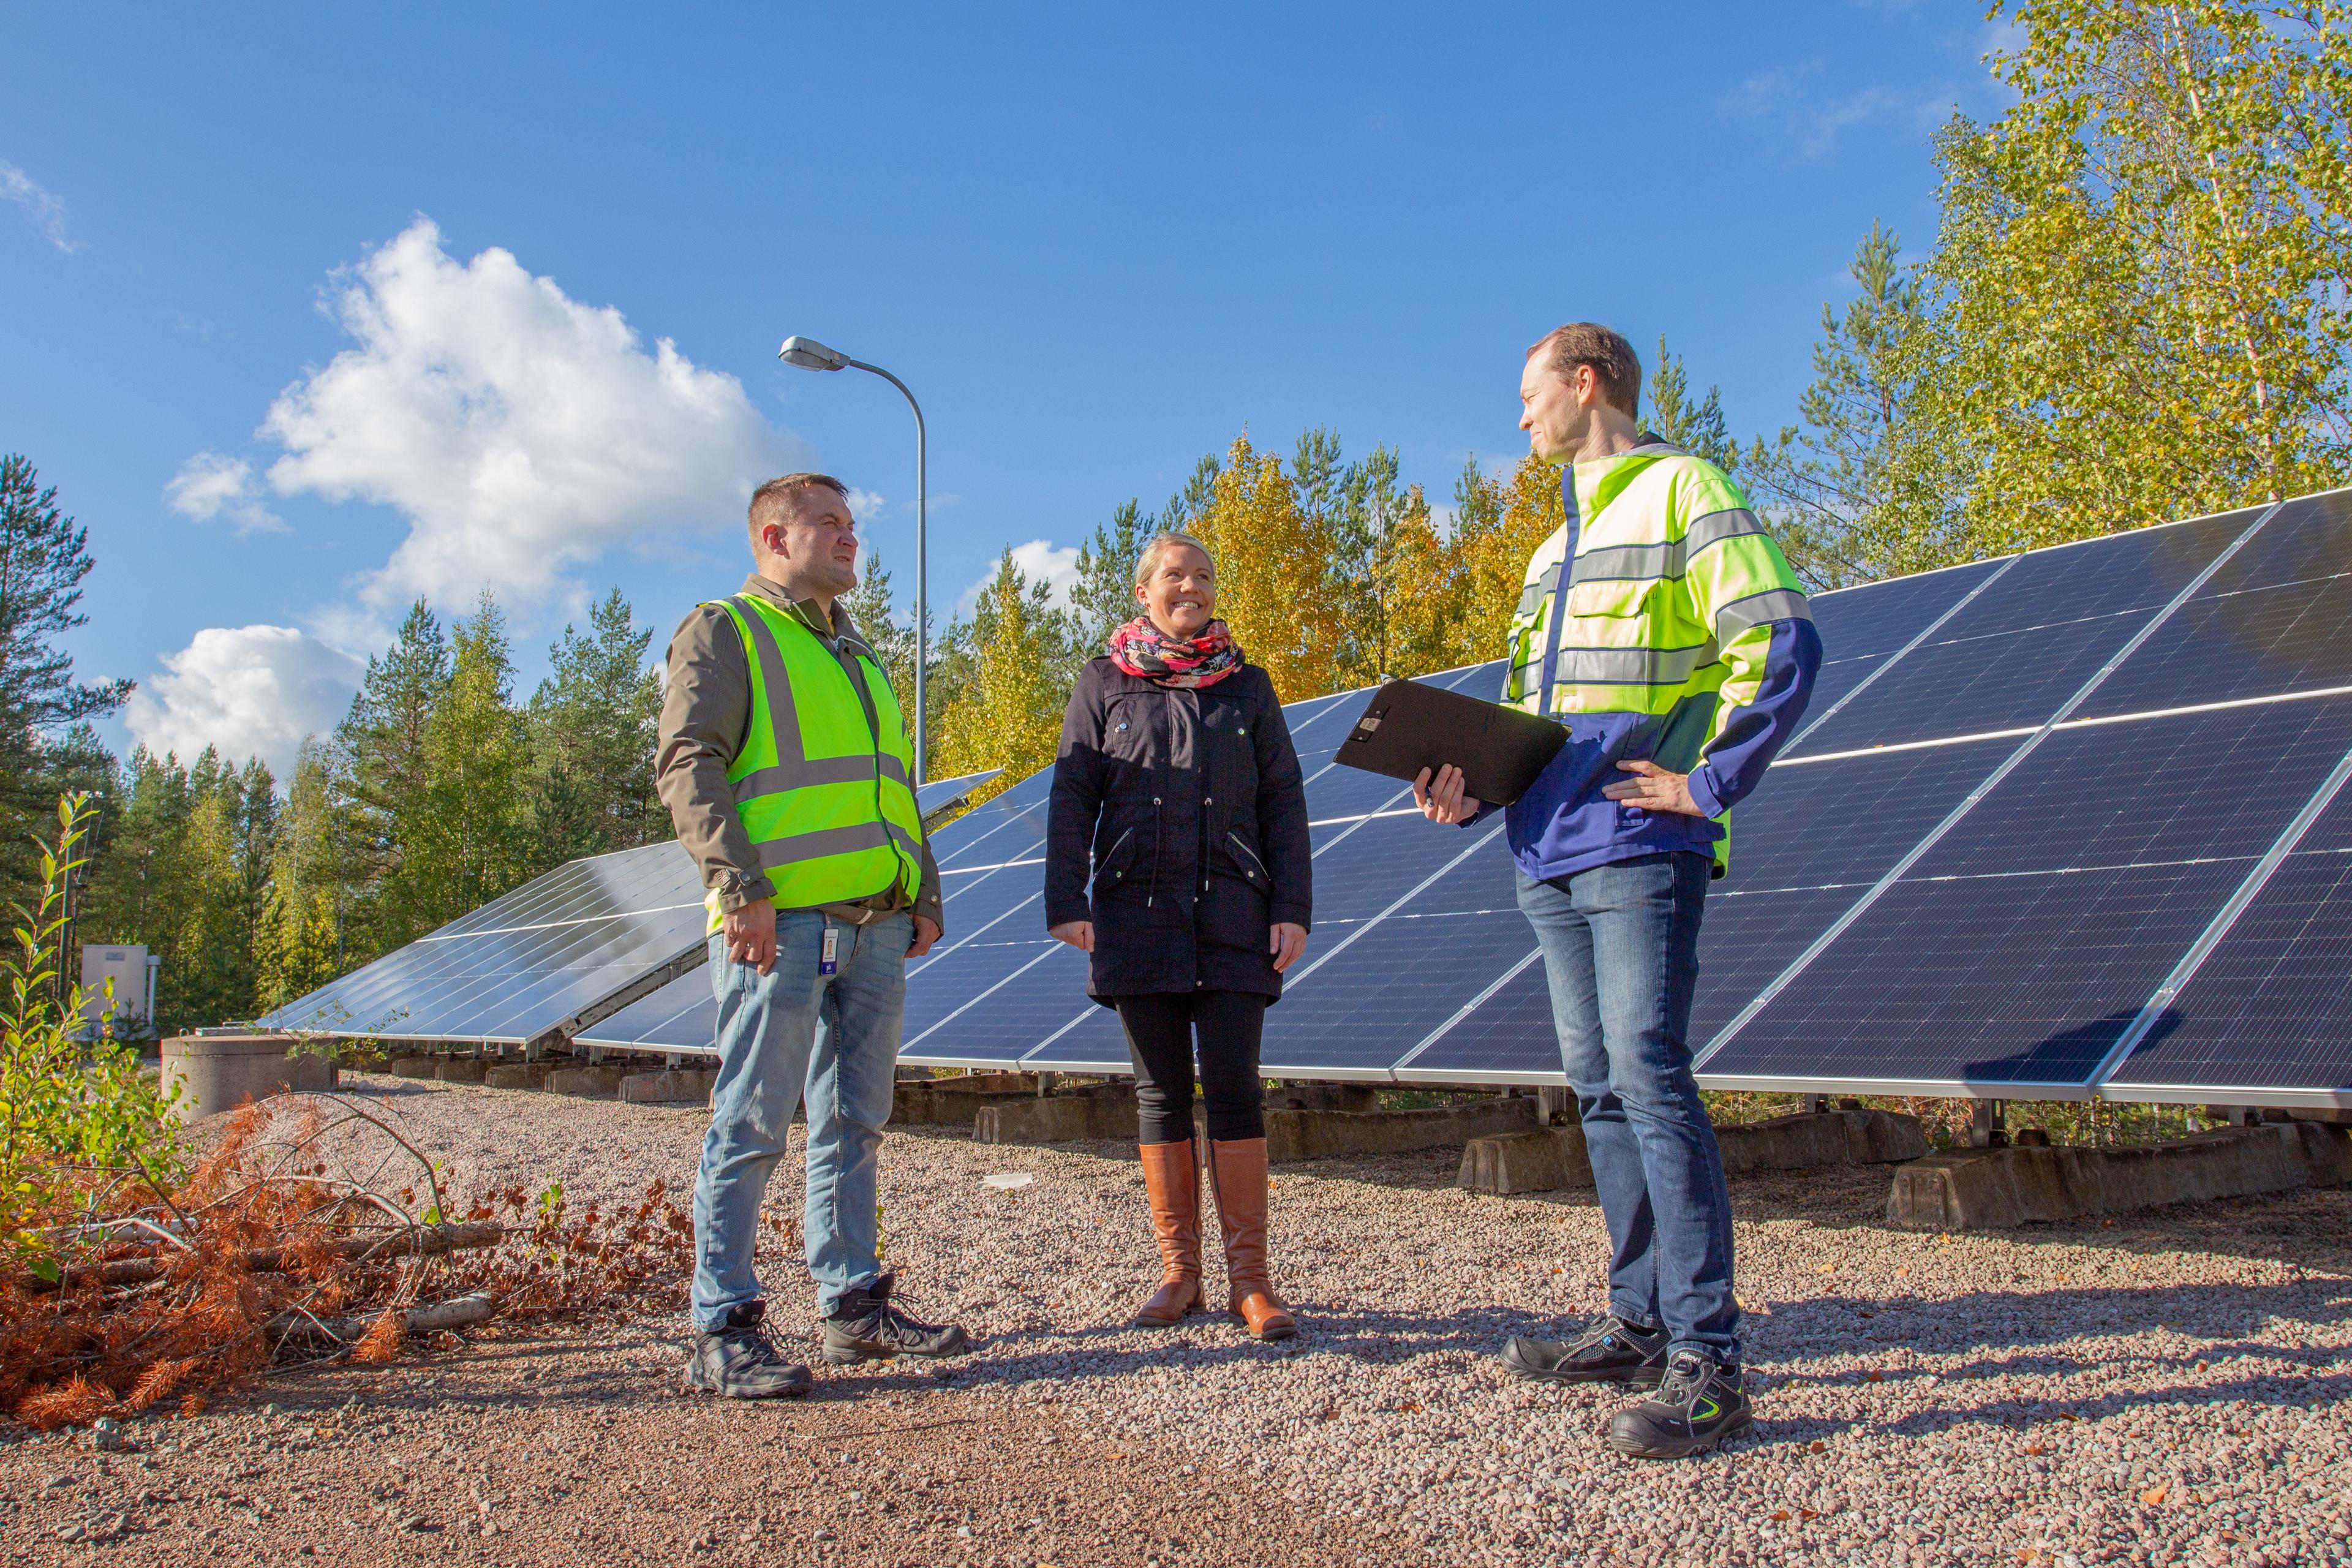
x=547, y=958
x=2068, y=824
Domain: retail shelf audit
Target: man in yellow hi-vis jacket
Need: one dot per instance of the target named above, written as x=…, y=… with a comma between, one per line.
x=784, y=762
x=1662, y=625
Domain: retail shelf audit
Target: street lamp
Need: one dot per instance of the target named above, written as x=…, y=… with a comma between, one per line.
x=809, y=354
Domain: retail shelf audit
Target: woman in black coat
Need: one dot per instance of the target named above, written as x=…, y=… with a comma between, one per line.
x=1176, y=854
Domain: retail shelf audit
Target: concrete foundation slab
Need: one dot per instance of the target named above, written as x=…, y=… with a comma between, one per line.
x=1986, y=1189
x=411, y=1067
x=1551, y=1159
x=216, y=1073
x=688, y=1086
x=460, y=1070
x=599, y=1081
x=516, y=1075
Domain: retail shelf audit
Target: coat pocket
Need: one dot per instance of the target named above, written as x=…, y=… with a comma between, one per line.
x=1246, y=861
x=1113, y=868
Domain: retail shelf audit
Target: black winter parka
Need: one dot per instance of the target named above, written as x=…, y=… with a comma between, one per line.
x=1179, y=827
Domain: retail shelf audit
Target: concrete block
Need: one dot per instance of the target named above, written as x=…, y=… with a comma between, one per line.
x=516, y=1075
x=1336, y=1134
x=1524, y=1163
x=1883, y=1137
x=1984, y=1189
x=1105, y=1112
x=410, y=1066
x=676, y=1085
x=217, y=1073
x=1354, y=1098
x=460, y=1070
x=1542, y=1160
x=954, y=1101
x=599, y=1081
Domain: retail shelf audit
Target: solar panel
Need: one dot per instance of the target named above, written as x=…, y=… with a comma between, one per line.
x=554, y=950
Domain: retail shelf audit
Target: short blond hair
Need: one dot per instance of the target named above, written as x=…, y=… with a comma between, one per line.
x=773, y=502
x=1161, y=543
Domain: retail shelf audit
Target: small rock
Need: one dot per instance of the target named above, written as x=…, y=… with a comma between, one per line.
x=106, y=1437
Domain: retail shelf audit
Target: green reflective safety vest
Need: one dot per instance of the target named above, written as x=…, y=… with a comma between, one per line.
x=823, y=784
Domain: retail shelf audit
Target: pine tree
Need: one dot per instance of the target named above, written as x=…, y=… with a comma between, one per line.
x=874, y=609
x=383, y=738
x=43, y=559
x=473, y=838
x=1103, y=598
x=301, y=946
x=592, y=725
x=1827, y=484
x=1698, y=427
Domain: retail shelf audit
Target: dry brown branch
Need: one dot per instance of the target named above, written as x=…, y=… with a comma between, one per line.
x=281, y=1247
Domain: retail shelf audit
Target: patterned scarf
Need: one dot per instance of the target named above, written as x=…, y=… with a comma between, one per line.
x=1142, y=649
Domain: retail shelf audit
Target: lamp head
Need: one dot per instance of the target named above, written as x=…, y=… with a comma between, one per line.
x=809, y=354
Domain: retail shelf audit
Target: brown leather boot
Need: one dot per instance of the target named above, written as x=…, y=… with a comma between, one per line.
x=1171, y=1179
x=1237, y=1170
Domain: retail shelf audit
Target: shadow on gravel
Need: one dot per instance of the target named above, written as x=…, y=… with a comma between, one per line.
x=2217, y=1316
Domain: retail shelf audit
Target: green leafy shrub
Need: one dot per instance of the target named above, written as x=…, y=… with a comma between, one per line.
x=77, y=1118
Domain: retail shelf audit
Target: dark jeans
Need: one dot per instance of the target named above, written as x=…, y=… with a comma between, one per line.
x=1621, y=950
x=1160, y=1030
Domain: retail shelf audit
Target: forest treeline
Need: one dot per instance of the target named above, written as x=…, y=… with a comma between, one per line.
x=2136, y=306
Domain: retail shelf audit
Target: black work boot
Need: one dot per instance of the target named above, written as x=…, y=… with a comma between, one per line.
x=866, y=1326
x=741, y=1362
x=1696, y=1406
x=1612, y=1351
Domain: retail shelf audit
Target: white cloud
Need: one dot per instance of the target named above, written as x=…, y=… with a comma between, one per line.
x=48, y=212
x=1040, y=560
x=209, y=485
x=251, y=692
x=864, y=505
x=518, y=430
x=1815, y=120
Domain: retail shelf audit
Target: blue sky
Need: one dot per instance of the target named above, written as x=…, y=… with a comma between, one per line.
x=309, y=309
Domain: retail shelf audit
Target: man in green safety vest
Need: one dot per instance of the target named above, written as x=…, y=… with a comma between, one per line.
x=784, y=762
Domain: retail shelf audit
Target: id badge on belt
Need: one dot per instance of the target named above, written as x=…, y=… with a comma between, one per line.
x=829, y=960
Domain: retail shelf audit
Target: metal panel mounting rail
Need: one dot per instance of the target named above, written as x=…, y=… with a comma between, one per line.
x=2009, y=764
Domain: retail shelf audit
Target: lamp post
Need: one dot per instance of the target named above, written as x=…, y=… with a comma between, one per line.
x=809, y=354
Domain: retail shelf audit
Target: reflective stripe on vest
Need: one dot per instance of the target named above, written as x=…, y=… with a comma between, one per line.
x=822, y=781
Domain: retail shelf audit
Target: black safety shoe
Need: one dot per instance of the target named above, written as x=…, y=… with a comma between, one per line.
x=866, y=1326
x=1696, y=1406
x=741, y=1362
x=1612, y=1351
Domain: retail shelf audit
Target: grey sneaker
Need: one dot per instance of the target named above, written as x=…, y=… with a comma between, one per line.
x=741, y=1361
x=1698, y=1405
x=867, y=1326
x=1612, y=1351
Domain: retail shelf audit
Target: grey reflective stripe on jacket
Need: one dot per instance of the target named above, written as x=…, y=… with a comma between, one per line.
x=1642, y=563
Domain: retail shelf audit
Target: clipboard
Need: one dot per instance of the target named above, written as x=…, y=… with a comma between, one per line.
x=1407, y=727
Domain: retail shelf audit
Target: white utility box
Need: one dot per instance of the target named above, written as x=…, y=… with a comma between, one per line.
x=134, y=999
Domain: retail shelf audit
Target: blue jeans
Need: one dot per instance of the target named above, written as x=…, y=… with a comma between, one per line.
x=835, y=1035
x=1621, y=950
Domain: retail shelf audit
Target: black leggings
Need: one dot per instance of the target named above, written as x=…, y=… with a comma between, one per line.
x=1159, y=1029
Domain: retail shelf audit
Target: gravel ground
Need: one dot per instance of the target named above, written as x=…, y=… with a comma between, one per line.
x=2162, y=1389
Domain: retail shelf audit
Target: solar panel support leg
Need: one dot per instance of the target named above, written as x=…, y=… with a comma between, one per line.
x=1816, y=1103
x=1985, y=1127
x=1552, y=1106
x=1044, y=1083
